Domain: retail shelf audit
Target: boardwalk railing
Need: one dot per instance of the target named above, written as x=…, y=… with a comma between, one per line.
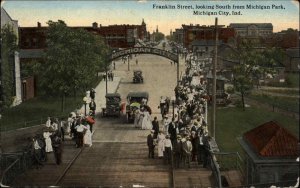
x=14, y=164
x=215, y=168
x=26, y=124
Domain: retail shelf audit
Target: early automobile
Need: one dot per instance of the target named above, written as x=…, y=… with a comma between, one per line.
x=113, y=105
x=138, y=76
x=134, y=101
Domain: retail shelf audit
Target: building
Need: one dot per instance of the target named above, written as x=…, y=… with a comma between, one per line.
x=252, y=29
x=193, y=33
x=7, y=20
x=271, y=153
x=178, y=36
x=292, y=60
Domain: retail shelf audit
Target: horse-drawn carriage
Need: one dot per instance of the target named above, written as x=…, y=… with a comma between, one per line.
x=134, y=101
x=113, y=105
x=138, y=76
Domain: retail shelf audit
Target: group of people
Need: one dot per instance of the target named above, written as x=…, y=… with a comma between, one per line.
x=184, y=137
x=81, y=128
x=109, y=76
x=142, y=118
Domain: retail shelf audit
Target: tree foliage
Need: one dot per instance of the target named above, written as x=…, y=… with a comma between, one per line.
x=158, y=36
x=252, y=64
x=8, y=48
x=72, y=60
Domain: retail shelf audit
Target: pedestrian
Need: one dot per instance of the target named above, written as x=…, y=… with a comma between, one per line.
x=187, y=150
x=114, y=66
x=104, y=77
x=48, y=141
x=168, y=150
x=57, y=146
x=92, y=106
x=36, y=152
x=172, y=130
x=178, y=151
x=112, y=76
x=87, y=139
x=79, y=129
x=155, y=127
x=160, y=144
x=92, y=93
x=136, y=62
x=48, y=122
x=151, y=144
x=171, y=62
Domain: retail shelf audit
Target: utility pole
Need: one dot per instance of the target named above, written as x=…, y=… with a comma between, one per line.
x=105, y=77
x=128, y=62
x=214, y=81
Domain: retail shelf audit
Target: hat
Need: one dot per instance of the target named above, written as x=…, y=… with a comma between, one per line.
x=152, y=131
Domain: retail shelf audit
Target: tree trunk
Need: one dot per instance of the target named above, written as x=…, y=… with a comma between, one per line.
x=243, y=101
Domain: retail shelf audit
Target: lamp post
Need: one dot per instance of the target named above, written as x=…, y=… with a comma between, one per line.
x=128, y=62
x=85, y=102
x=173, y=106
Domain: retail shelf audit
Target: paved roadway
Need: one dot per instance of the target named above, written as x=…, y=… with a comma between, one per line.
x=118, y=156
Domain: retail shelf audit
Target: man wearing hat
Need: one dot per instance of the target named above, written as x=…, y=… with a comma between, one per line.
x=177, y=151
x=151, y=144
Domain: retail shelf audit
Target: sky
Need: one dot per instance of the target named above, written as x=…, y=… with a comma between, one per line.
x=84, y=13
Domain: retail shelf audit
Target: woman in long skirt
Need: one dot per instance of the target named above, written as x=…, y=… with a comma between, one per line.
x=48, y=141
x=87, y=139
x=160, y=144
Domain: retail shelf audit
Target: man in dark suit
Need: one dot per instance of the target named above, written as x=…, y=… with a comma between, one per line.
x=172, y=130
x=155, y=127
x=151, y=145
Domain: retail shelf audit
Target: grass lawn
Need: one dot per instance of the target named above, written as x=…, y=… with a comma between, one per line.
x=37, y=110
x=284, y=102
x=233, y=122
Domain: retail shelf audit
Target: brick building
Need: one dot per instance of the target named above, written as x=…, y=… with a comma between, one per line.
x=252, y=29
x=193, y=33
x=271, y=153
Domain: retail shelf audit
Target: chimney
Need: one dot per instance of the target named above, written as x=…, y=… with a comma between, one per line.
x=39, y=24
x=95, y=25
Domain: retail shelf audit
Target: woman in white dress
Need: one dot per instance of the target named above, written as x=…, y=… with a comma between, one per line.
x=136, y=118
x=146, y=124
x=140, y=120
x=48, y=141
x=87, y=138
x=160, y=144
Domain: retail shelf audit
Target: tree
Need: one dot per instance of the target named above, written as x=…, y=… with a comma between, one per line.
x=252, y=64
x=8, y=48
x=73, y=58
x=158, y=36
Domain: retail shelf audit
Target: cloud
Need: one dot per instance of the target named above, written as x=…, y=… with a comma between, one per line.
x=142, y=1
x=295, y=2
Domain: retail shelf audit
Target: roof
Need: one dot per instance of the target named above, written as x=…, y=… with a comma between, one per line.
x=293, y=52
x=272, y=140
x=112, y=95
x=138, y=94
x=260, y=25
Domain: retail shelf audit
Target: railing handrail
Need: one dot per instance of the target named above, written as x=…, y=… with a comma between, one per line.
x=26, y=122
x=216, y=169
x=7, y=169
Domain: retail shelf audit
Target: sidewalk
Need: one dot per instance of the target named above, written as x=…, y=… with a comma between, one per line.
x=112, y=87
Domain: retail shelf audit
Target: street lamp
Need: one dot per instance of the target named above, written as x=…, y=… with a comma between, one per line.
x=173, y=105
x=85, y=99
x=128, y=63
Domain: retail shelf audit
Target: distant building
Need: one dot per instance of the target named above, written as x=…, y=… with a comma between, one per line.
x=7, y=20
x=178, y=36
x=193, y=33
x=292, y=60
x=271, y=153
x=115, y=36
x=252, y=29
